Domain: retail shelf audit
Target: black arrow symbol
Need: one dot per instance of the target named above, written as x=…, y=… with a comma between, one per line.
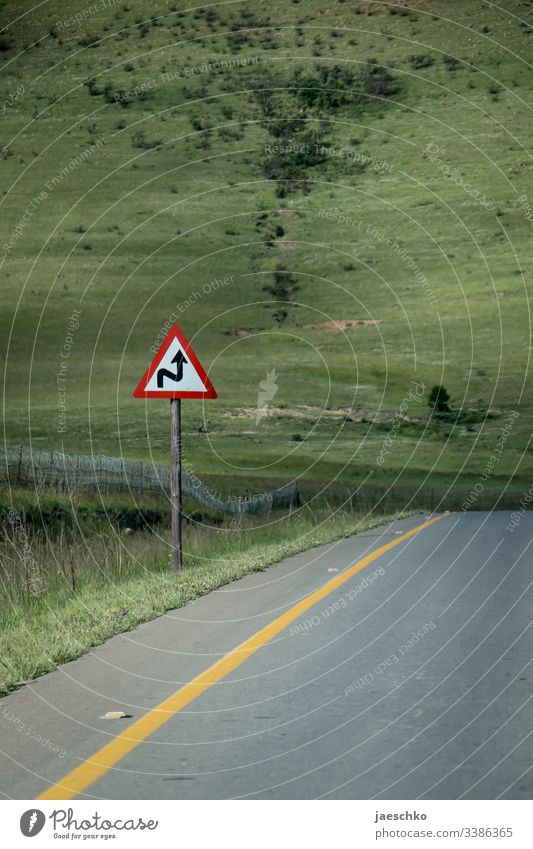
x=180, y=361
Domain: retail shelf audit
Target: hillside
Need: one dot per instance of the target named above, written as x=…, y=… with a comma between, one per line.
x=330, y=198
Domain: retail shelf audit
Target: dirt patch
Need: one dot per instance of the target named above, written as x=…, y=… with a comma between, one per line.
x=342, y=324
x=238, y=331
x=309, y=414
x=303, y=412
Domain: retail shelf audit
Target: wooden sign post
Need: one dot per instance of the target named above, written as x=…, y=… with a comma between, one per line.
x=175, y=484
x=175, y=373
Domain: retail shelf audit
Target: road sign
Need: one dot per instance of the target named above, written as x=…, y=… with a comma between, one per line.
x=175, y=373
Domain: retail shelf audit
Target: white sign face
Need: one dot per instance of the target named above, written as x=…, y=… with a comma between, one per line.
x=175, y=372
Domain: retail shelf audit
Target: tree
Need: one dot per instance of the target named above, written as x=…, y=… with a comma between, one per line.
x=438, y=399
x=324, y=87
x=377, y=81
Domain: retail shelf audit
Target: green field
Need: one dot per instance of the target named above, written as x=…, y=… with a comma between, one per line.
x=141, y=163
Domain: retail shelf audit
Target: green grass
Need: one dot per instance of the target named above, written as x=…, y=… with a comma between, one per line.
x=133, y=232
x=174, y=195
x=125, y=581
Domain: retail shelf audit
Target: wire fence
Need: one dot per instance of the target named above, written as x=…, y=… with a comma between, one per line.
x=79, y=473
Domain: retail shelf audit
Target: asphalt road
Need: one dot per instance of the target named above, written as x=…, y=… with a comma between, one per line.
x=411, y=678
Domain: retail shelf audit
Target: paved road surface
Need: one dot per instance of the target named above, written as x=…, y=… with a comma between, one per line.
x=411, y=678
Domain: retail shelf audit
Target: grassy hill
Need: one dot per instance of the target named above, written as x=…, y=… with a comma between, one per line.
x=260, y=172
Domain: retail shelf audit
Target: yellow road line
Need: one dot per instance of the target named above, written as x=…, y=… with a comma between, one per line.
x=105, y=759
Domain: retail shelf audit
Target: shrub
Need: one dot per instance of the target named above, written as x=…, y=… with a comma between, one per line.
x=139, y=140
x=279, y=316
x=421, y=60
x=109, y=93
x=450, y=63
x=200, y=122
x=89, y=40
x=121, y=97
x=438, y=399
x=326, y=87
x=94, y=91
x=302, y=150
x=286, y=103
x=377, y=81
x=284, y=285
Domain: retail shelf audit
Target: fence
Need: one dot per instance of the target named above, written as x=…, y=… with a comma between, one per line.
x=384, y=498
x=75, y=473
x=78, y=473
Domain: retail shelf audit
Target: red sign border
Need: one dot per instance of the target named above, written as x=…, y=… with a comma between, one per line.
x=175, y=332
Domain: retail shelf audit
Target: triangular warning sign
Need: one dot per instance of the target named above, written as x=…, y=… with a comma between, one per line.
x=175, y=371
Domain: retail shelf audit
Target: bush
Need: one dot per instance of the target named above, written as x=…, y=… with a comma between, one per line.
x=200, y=121
x=438, y=399
x=421, y=60
x=109, y=93
x=139, y=140
x=450, y=63
x=284, y=286
x=286, y=104
x=377, y=81
x=279, y=316
x=327, y=87
x=89, y=40
x=121, y=97
x=303, y=150
x=94, y=91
